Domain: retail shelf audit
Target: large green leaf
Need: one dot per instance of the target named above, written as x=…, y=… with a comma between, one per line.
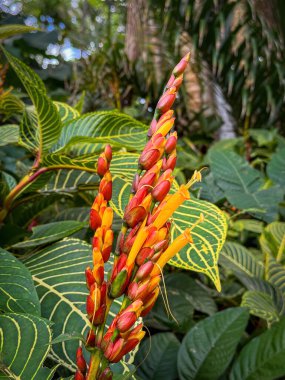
x=10, y=30
x=208, y=348
x=48, y=233
x=242, y=185
x=9, y=134
x=209, y=236
x=157, y=357
x=24, y=344
x=276, y=167
x=87, y=133
x=263, y=357
x=17, y=291
x=238, y=259
x=261, y=304
x=58, y=274
x=46, y=118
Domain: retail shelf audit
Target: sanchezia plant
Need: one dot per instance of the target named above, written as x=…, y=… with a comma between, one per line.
x=143, y=245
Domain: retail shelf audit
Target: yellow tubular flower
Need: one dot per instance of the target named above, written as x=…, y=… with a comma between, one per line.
x=138, y=243
x=171, y=205
x=171, y=251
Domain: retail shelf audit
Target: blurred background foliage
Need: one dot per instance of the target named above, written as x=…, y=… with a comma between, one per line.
x=119, y=54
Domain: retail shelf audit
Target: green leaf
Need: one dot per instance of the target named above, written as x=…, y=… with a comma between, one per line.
x=48, y=233
x=179, y=315
x=157, y=357
x=10, y=105
x=66, y=112
x=69, y=181
x=24, y=343
x=263, y=357
x=41, y=130
x=242, y=185
x=261, y=304
x=79, y=105
x=87, y=133
x=7, y=182
x=17, y=290
x=208, y=348
x=192, y=291
x=33, y=207
x=272, y=240
x=238, y=259
x=10, y=30
x=66, y=337
x=276, y=275
x=9, y=134
x=59, y=275
x=276, y=167
x=209, y=236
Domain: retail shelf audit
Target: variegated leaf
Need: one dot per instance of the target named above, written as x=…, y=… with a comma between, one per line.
x=240, y=260
x=66, y=112
x=272, y=241
x=24, y=344
x=10, y=105
x=89, y=132
x=17, y=291
x=46, y=117
x=261, y=305
x=9, y=134
x=58, y=274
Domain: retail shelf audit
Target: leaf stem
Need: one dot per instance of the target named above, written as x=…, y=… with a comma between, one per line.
x=26, y=180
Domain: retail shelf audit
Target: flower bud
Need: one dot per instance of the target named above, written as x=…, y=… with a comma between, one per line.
x=80, y=361
x=95, y=219
x=181, y=66
x=90, y=280
x=145, y=254
x=171, y=143
x=165, y=102
x=149, y=158
x=170, y=162
x=126, y=321
x=135, y=183
x=90, y=339
x=105, y=186
x=112, y=353
x=119, y=284
x=102, y=165
x=108, y=152
x=144, y=270
x=166, y=127
x=161, y=190
x=107, y=218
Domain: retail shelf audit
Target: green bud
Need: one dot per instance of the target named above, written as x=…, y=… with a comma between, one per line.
x=119, y=284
